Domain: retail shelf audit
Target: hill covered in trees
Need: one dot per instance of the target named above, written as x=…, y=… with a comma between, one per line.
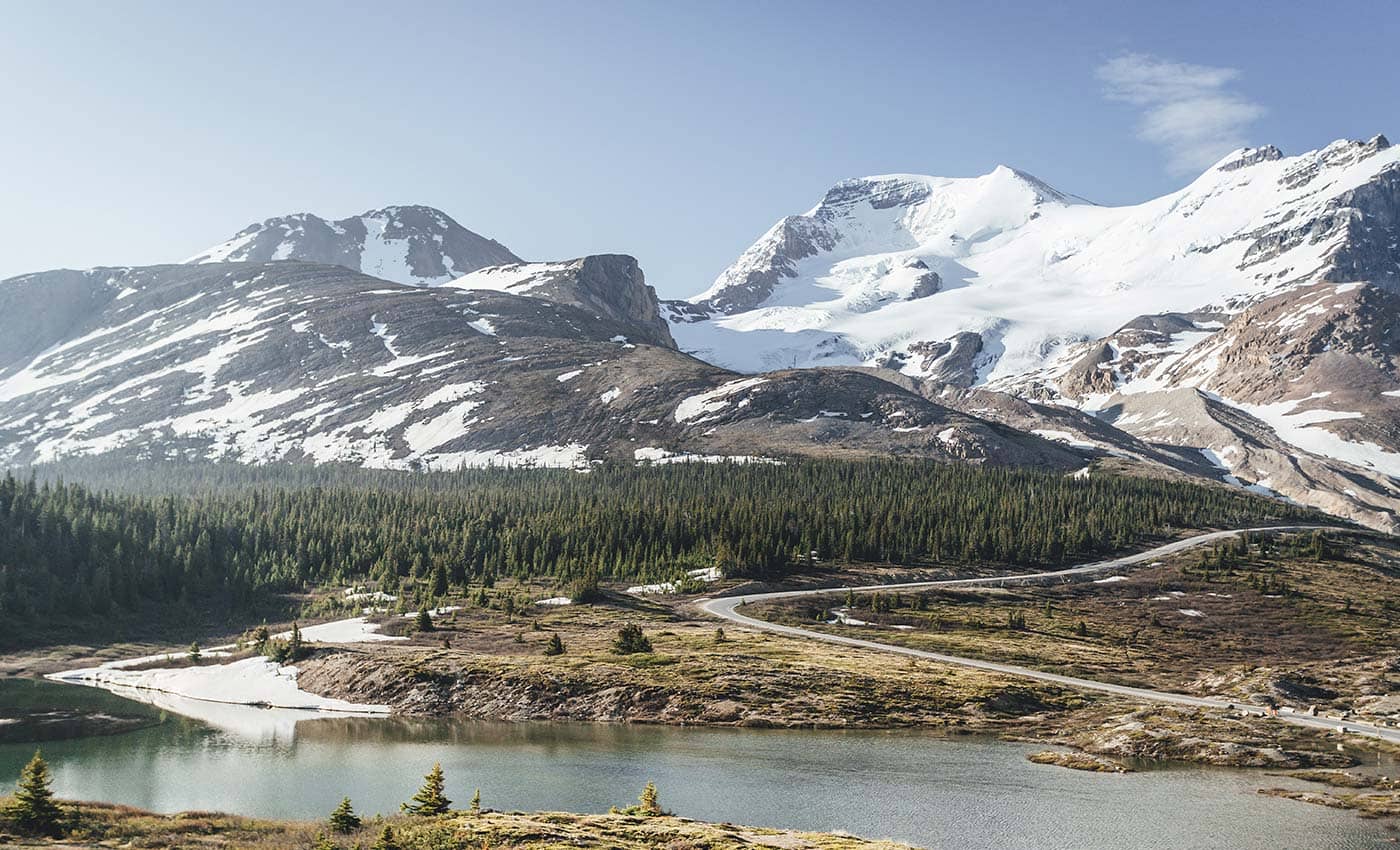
x=233, y=536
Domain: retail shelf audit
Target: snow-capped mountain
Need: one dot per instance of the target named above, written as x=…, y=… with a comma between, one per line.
x=1245, y=329
x=885, y=263
x=1267, y=284
x=409, y=244
x=298, y=362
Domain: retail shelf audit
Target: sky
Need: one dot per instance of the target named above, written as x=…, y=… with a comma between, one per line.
x=143, y=132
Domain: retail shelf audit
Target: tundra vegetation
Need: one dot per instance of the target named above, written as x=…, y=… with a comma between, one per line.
x=428, y=823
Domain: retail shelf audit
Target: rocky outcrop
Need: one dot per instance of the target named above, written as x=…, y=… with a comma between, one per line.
x=609, y=286
x=926, y=284
x=950, y=361
x=750, y=281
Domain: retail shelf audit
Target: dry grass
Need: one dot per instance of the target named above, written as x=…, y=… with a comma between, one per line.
x=101, y=825
x=497, y=669
x=1329, y=639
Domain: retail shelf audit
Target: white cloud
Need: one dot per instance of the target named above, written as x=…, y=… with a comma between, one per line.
x=1188, y=110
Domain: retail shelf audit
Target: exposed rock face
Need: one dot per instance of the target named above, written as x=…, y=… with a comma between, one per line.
x=926, y=284
x=1134, y=351
x=1247, y=451
x=950, y=361
x=1370, y=215
x=750, y=281
x=411, y=244
x=606, y=285
x=1250, y=156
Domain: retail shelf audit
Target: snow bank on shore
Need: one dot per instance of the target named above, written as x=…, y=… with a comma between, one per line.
x=255, y=681
x=249, y=681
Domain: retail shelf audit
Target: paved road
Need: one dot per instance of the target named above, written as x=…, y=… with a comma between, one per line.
x=728, y=608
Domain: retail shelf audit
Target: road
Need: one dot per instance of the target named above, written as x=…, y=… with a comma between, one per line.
x=728, y=608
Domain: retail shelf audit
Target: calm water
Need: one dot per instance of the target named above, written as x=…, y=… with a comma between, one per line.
x=929, y=791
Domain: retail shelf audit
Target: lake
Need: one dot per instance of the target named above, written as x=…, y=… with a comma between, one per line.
x=924, y=789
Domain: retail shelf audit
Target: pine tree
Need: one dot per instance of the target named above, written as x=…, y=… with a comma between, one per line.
x=33, y=809
x=294, y=645
x=344, y=819
x=631, y=639
x=424, y=622
x=385, y=841
x=430, y=799
x=649, y=803
x=555, y=645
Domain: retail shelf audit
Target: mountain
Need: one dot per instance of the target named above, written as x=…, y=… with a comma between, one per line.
x=410, y=244
x=1268, y=286
x=1244, y=330
x=291, y=361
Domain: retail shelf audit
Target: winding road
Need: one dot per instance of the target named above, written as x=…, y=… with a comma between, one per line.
x=727, y=608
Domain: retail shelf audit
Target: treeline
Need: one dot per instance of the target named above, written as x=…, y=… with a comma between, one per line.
x=238, y=533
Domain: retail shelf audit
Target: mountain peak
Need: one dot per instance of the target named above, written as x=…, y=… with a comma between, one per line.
x=413, y=244
x=882, y=214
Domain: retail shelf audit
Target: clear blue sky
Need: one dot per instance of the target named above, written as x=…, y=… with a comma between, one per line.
x=140, y=132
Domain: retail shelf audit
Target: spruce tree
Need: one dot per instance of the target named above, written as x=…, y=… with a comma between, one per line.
x=555, y=645
x=33, y=809
x=344, y=819
x=430, y=799
x=294, y=645
x=385, y=841
x=631, y=639
x=649, y=803
x=424, y=622
x=476, y=802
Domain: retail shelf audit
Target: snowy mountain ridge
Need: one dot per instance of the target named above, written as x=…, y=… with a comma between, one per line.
x=1028, y=268
x=416, y=245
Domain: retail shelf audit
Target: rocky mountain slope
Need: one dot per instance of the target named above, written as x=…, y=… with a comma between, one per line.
x=260, y=362
x=1268, y=286
x=411, y=244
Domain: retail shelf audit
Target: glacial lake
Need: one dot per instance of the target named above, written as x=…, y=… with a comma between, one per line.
x=927, y=790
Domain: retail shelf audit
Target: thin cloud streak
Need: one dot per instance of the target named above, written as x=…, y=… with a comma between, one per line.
x=1187, y=110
